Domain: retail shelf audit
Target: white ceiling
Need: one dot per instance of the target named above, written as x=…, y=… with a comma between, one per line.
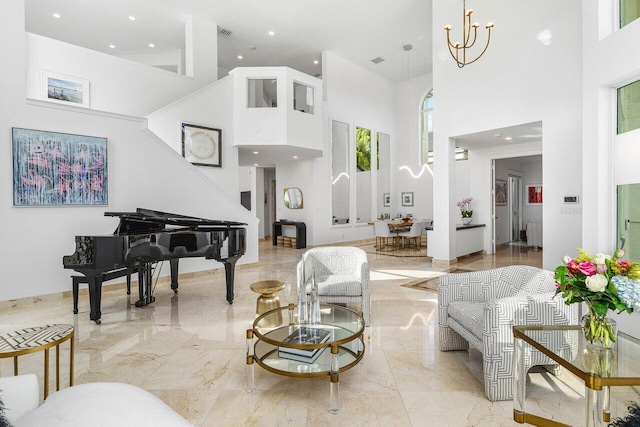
x=527, y=132
x=358, y=30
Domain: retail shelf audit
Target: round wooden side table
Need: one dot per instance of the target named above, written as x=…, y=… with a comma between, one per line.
x=268, y=300
x=32, y=340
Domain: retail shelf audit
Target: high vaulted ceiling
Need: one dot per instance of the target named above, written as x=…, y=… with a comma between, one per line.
x=358, y=30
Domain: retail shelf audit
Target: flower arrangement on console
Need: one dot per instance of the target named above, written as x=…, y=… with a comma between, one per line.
x=465, y=207
x=604, y=283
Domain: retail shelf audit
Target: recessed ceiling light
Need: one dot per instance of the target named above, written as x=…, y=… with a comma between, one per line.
x=252, y=47
x=271, y=33
x=239, y=56
x=316, y=62
x=112, y=46
x=255, y=164
x=152, y=45
x=508, y=138
x=56, y=15
x=255, y=152
x=295, y=157
x=132, y=18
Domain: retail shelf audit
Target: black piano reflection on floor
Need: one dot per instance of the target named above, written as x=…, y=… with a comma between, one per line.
x=144, y=238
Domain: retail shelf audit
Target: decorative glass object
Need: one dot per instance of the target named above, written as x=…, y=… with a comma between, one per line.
x=314, y=303
x=303, y=305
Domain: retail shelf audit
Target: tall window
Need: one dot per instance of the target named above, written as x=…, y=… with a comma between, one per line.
x=426, y=128
x=629, y=11
x=426, y=132
x=363, y=175
x=629, y=107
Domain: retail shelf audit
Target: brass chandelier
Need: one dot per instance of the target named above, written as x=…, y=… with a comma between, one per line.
x=455, y=49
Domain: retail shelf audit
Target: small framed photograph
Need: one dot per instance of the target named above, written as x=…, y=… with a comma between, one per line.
x=501, y=192
x=533, y=193
x=201, y=145
x=407, y=199
x=386, y=199
x=63, y=89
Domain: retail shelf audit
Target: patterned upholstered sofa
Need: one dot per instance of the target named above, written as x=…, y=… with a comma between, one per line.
x=342, y=275
x=480, y=308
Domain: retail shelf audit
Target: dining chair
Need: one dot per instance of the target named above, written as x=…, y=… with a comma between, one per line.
x=414, y=234
x=382, y=232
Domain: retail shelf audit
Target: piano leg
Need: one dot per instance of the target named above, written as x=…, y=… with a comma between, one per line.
x=174, y=274
x=75, y=281
x=95, y=297
x=145, y=282
x=229, y=269
x=141, y=283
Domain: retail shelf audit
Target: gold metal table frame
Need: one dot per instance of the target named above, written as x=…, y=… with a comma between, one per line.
x=344, y=349
x=41, y=338
x=596, y=384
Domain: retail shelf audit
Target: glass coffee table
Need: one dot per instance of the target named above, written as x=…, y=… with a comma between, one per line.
x=341, y=329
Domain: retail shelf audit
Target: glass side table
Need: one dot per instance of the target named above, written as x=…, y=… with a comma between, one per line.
x=598, y=368
x=40, y=338
x=343, y=349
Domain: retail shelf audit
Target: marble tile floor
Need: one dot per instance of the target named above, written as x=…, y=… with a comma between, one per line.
x=189, y=350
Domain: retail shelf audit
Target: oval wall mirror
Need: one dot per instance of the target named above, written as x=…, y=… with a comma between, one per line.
x=293, y=198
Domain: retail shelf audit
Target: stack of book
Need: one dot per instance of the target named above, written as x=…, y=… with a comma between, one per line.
x=304, y=335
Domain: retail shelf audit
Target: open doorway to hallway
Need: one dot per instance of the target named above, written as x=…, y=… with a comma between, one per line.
x=518, y=221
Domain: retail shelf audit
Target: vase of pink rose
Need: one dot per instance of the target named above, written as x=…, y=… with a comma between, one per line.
x=603, y=283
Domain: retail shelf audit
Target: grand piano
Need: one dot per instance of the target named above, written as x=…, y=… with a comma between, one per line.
x=145, y=237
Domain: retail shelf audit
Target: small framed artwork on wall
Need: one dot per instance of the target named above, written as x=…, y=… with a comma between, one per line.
x=501, y=192
x=63, y=89
x=386, y=199
x=533, y=193
x=201, y=145
x=407, y=198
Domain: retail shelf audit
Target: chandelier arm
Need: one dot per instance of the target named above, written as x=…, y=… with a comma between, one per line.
x=466, y=31
x=455, y=57
x=475, y=36
x=483, y=51
x=449, y=41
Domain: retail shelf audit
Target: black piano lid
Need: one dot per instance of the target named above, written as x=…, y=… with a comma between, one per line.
x=158, y=217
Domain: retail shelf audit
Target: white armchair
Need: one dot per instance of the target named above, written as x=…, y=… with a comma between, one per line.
x=480, y=309
x=342, y=275
x=98, y=404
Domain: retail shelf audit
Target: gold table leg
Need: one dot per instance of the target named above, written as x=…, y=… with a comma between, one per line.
x=46, y=373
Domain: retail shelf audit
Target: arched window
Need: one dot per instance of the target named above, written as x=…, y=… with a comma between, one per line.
x=426, y=132
x=426, y=128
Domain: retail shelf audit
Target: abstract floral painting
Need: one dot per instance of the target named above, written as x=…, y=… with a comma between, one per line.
x=54, y=169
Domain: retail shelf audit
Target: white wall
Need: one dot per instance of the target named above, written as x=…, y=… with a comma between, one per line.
x=171, y=61
x=358, y=97
x=406, y=150
x=276, y=126
x=608, y=160
x=118, y=85
x=296, y=174
x=519, y=80
x=210, y=107
x=143, y=172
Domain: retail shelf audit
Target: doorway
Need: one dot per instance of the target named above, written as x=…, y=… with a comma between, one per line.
x=515, y=207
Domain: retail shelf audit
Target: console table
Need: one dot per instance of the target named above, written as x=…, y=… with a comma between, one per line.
x=301, y=232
